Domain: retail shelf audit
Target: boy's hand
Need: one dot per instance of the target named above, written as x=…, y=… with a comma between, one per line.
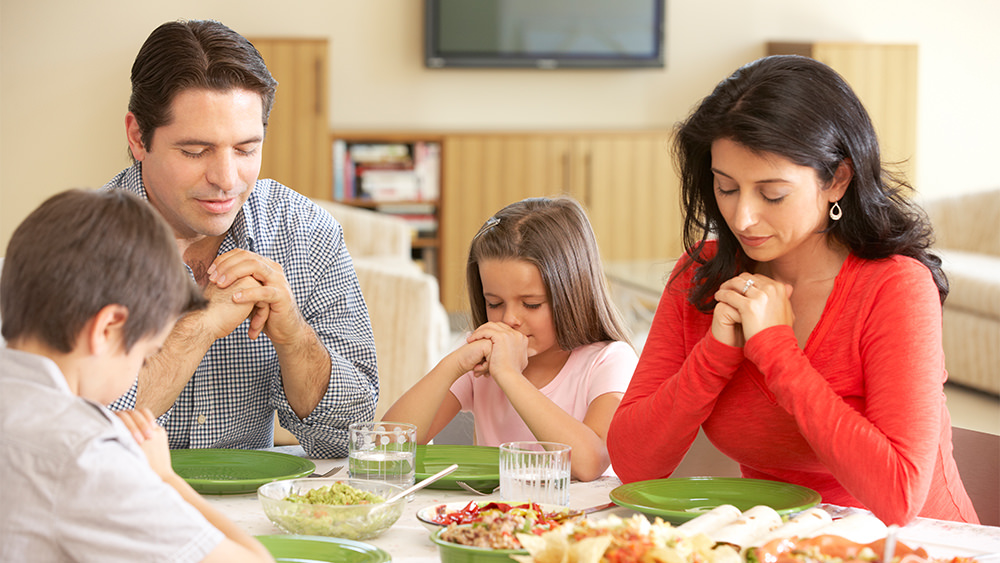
x=151, y=438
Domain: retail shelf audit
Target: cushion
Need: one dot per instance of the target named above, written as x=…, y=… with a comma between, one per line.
x=974, y=280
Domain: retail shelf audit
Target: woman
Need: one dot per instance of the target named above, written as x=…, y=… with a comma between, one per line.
x=802, y=330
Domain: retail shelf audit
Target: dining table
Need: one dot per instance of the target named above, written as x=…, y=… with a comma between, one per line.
x=408, y=541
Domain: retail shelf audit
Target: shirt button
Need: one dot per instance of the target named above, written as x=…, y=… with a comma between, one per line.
x=201, y=419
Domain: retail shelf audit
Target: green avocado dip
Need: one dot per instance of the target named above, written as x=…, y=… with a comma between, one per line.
x=336, y=494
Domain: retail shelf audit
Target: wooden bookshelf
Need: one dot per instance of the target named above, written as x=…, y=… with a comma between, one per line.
x=425, y=214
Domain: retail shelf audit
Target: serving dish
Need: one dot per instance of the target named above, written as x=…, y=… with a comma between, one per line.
x=224, y=471
x=457, y=553
x=427, y=514
x=678, y=500
x=349, y=521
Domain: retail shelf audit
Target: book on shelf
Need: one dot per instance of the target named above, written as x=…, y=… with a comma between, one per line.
x=343, y=173
x=386, y=184
x=386, y=171
x=420, y=216
x=406, y=208
x=339, y=154
x=427, y=164
x=372, y=153
x=425, y=226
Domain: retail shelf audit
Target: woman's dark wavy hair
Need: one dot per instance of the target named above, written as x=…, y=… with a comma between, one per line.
x=802, y=110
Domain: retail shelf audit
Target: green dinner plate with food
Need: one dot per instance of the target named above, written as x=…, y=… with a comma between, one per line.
x=478, y=466
x=678, y=500
x=319, y=549
x=227, y=472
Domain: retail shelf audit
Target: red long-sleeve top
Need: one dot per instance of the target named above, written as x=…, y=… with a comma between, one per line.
x=859, y=415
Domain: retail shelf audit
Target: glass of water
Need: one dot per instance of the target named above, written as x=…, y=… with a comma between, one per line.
x=383, y=451
x=535, y=471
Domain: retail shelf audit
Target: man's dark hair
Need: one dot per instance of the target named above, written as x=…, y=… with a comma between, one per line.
x=200, y=54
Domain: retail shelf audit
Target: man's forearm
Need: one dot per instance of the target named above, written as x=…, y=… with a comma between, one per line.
x=164, y=375
x=305, y=372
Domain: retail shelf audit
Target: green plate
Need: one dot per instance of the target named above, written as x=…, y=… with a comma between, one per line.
x=224, y=472
x=319, y=549
x=681, y=499
x=478, y=466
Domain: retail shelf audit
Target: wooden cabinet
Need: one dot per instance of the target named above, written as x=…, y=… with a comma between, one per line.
x=623, y=179
x=885, y=78
x=630, y=190
x=297, y=147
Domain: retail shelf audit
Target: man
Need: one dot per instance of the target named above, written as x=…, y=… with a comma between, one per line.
x=91, y=286
x=287, y=328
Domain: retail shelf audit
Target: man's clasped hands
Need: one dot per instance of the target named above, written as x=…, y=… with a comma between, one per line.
x=241, y=284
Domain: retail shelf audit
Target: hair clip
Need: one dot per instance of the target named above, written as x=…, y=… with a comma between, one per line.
x=490, y=223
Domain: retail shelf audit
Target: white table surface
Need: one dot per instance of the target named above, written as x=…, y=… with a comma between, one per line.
x=408, y=540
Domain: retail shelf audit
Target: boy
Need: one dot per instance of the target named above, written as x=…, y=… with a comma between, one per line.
x=91, y=285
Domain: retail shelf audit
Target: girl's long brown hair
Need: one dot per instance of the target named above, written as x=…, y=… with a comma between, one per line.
x=555, y=235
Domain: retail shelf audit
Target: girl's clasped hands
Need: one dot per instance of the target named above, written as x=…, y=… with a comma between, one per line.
x=495, y=349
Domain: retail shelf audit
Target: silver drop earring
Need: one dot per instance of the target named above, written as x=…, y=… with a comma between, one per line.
x=836, y=212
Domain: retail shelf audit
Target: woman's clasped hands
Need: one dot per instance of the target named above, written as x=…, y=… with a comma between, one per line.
x=748, y=304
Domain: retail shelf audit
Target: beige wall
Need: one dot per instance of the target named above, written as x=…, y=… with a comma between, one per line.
x=64, y=77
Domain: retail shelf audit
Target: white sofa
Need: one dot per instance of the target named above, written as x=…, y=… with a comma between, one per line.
x=967, y=231
x=409, y=322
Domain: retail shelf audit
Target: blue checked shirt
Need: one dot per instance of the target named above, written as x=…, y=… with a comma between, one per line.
x=231, y=398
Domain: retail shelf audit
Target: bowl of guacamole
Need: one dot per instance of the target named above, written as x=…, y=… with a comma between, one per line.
x=344, y=508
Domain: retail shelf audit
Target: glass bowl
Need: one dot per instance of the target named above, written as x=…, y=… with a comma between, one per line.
x=349, y=521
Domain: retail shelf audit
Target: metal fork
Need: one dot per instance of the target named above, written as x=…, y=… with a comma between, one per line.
x=329, y=473
x=471, y=489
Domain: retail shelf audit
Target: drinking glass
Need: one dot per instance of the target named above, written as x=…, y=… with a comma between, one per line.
x=535, y=471
x=382, y=451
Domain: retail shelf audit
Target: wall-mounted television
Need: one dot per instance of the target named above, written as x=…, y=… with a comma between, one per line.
x=545, y=34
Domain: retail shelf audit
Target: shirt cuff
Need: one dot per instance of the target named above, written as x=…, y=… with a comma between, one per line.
x=762, y=348
x=719, y=357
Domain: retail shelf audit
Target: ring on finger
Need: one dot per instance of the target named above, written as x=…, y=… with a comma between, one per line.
x=746, y=287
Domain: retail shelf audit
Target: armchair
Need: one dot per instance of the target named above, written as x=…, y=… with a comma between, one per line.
x=408, y=320
x=969, y=245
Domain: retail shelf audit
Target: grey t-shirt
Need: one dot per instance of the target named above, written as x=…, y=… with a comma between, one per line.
x=74, y=485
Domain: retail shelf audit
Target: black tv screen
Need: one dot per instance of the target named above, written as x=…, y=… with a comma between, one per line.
x=544, y=34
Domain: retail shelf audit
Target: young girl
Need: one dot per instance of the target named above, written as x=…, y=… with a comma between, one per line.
x=549, y=360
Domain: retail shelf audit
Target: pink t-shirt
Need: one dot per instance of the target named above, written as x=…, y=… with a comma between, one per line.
x=591, y=371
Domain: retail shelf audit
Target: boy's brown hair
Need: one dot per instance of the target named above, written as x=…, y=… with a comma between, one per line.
x=83, y=250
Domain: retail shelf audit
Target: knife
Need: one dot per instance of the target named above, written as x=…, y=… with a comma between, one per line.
x=584, y=512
